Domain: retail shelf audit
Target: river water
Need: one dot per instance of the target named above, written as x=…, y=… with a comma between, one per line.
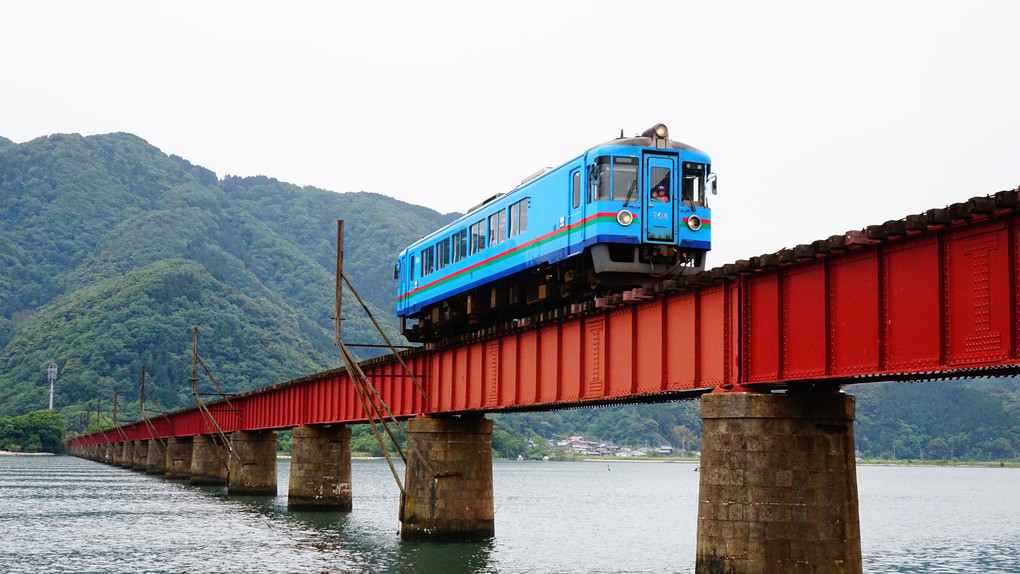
x=67, y=515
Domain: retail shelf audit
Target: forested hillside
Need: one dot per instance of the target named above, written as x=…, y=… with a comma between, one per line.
x=939, y=420
x=112, y=251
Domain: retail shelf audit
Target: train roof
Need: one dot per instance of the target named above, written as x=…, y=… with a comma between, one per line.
x=645, y=140
x=641, y=141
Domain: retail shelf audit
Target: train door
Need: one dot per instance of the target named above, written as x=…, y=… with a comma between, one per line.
x=408, y=264
x=575, y=213
x=660, y=173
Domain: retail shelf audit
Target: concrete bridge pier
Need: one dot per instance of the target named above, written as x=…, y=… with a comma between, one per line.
x=320, y=468
x=141, y=455
x=778, y=488
x=208, y=461
x=127, y=454
x=155, y=463
x=448, y=495
x=178, y=458
x=108, y=453
x=253, y=463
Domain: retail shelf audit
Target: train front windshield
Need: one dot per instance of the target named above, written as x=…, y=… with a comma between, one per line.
x=615, y=178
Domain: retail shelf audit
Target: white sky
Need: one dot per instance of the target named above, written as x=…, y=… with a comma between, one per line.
x=819, y=116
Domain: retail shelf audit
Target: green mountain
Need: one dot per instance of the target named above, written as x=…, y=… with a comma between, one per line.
x=112, y=251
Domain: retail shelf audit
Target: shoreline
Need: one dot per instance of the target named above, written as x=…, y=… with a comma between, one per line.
x=642, y=460
x=9, y=453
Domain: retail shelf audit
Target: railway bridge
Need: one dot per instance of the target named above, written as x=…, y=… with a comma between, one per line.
x=766, y=343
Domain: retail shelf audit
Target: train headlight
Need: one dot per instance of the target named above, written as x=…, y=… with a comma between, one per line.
x=694, y=222
x=625, y=218
x=659, y=135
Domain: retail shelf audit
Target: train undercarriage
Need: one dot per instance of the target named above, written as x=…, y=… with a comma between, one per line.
x=599, y=272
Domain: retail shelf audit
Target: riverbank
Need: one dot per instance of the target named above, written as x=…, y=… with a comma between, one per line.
x=9, y=453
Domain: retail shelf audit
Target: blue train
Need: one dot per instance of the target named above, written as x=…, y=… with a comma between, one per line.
x=627, y=213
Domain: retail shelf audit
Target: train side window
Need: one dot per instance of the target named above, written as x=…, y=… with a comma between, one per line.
x=442, y=253
x=427, y=261
x=497, y=227
x=519, y=218
x=477, y=237
x=576, y=190
x=458, y=247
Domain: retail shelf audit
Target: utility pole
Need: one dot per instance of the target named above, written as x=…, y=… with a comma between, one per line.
x=51, y=372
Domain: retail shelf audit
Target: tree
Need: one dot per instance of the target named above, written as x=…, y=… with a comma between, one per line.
x=937, y=448
x=505, y=441
x=39, y=431
x=683, y=436
x=956, y=443
x=1002, y=448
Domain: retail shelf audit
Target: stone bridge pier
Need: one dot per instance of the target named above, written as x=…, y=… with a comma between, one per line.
x=320, y=469
x=778, y=488
x=252, y=463
x=208, y=461
x=448, y=481
x=178, y=457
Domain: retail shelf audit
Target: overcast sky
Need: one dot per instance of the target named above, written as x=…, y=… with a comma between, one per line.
x=819, y=117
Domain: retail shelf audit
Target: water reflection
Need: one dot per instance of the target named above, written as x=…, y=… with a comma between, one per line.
x=467, y=558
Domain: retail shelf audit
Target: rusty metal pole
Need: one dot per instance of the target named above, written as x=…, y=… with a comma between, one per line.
x=141, y=396
x=194, y=364
x=339, y=275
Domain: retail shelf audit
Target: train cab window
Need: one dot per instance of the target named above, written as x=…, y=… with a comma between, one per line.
x=693, y=186
x=442, y=253
x=625, y=178
x=576, y=190
x=519, y=218
x=458, y=247
x=613, y=178
x=659, y=186
x=427, y=261
x=497, y=228
x=477, y=237
x=600, y=178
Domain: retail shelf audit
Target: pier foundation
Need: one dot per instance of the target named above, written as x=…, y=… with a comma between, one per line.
x=155, y=463
x=320, y=469
x=208, y=461
x=448, y=495
x=253, y=463
x=178, y=458
x=127, y=454
x=141, y=455
x=778, y=488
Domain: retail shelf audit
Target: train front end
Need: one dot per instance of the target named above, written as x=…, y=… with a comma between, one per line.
x=658, y=191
